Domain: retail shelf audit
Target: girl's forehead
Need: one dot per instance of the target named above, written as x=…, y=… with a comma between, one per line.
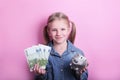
x=59, y=22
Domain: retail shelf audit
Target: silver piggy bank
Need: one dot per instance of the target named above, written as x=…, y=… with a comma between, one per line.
x=78, y=62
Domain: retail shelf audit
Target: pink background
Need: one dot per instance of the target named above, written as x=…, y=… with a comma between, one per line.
x=98, y=34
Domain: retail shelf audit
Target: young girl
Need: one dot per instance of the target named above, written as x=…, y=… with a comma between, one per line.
x=59, y=35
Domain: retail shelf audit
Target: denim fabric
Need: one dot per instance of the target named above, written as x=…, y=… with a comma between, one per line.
x=58, y=67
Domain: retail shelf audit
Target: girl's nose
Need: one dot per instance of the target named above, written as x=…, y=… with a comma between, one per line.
x=58, y=32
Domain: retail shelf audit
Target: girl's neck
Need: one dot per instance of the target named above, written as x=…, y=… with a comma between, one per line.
x=60, y=48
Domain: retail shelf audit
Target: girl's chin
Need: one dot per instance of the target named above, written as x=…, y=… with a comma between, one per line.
x=59, y=41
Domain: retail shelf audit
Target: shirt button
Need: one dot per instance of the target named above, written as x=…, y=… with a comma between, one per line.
x=61, y=69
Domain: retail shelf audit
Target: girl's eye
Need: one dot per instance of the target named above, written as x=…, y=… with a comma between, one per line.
x=62, y=29
x=54, y=30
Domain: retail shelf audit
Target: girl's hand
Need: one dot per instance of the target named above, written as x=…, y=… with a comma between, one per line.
x=84, y=69
x=39, y=70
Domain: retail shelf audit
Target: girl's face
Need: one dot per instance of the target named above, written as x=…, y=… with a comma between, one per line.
x=59, y=31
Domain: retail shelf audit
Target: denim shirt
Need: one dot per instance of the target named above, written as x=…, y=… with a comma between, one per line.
x=58, y=67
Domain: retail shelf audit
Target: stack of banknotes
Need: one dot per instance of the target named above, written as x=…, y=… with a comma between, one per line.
x=37, y=54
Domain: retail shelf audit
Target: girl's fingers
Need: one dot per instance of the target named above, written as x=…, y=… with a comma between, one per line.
x=83, y=70
x=39, y=70
x=80, y=71
x=36, y=68
x=43, y=71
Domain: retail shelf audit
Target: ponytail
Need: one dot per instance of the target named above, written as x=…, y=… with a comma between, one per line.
x=45, y=34
x=72, y=33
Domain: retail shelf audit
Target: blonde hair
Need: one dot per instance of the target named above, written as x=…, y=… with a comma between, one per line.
x=59, y=15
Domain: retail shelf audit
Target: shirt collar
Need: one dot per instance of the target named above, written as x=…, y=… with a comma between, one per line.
x=70, y=47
